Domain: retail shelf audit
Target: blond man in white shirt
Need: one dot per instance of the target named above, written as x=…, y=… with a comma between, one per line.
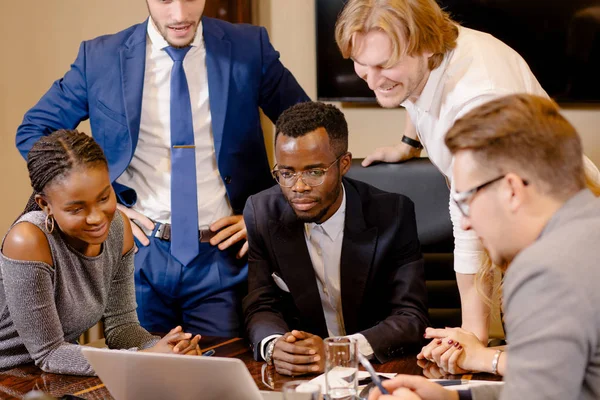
x=411, y=54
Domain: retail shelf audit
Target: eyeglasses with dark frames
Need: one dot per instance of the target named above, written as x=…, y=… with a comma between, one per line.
x=311, y=177
x=463, y=199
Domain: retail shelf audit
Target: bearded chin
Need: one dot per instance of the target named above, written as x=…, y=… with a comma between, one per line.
x=308, y=219
x=317, y=218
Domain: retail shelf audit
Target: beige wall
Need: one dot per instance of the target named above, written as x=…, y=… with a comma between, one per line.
x=40, y=40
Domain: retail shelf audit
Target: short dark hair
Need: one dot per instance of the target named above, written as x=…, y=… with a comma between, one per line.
x=52, y=157
x=527, y=134
x=303, y=118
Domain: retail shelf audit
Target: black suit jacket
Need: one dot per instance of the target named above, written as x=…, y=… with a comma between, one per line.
x=381, y=267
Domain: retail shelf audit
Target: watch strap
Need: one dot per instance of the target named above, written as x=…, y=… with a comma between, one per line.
x=269, y=352
x=411, y=142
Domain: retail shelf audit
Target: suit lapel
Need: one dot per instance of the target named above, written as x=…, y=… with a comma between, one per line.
x=218, y=66
x=133, y=62
x=287, y=235
x=358, y=251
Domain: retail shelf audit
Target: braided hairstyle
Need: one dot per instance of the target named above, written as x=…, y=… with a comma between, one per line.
x=54, y=156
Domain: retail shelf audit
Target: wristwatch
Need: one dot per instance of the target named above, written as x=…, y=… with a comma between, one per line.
x=495, y=362
x=412, y=142
x=269, y=352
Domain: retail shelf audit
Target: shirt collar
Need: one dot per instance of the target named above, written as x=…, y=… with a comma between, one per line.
x=158, y=41
x=335, y=224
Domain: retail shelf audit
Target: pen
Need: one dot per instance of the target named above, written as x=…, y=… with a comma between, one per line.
x=368, y=379
x=451, y=382
x=365, y=363
x=209, y=353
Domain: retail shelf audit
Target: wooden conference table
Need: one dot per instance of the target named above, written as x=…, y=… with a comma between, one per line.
x=14, y=383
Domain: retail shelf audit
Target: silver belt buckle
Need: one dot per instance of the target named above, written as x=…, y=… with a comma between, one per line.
x=159, y=232
x=163, y=231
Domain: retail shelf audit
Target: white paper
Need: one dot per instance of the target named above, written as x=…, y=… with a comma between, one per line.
x=320, y=380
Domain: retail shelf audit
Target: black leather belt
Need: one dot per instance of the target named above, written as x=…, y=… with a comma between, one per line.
x=163, y=232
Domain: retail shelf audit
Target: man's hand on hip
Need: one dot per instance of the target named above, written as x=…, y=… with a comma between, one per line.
x=140, y=220
x=230, y=231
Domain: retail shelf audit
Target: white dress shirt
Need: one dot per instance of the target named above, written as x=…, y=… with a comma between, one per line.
x=324, y=243
x=149, y=172
x=481, y=68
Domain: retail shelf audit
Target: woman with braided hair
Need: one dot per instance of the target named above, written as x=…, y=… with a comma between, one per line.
x=67, y=262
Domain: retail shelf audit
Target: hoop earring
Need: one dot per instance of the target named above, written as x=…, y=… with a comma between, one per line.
x=51, y=218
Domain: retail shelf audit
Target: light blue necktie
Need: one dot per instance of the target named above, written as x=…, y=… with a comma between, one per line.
x=184, y=195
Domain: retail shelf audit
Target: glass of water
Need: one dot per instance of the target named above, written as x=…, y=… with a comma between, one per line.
x=301, y=390
x=341, y=368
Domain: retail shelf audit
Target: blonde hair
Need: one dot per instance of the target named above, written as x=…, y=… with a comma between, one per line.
x=413, y=26
x=592, y=184
x=487, y=284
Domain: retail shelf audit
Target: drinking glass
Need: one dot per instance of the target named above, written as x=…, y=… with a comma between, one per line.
x=341, y=368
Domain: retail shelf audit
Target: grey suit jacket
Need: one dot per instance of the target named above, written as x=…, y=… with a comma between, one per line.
x=552, y=310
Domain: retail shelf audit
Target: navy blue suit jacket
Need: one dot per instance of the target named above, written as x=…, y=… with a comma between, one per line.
x=105, y=84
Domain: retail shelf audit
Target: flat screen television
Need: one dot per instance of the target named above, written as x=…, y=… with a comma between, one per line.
x=559, y=39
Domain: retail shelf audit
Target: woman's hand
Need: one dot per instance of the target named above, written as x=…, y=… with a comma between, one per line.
x=176, y=341
x=456, y=350
x=188, y=347
x=432, y=371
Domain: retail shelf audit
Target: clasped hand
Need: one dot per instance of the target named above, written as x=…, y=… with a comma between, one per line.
x=299, y=353
x=177, y=342
x=453, y=350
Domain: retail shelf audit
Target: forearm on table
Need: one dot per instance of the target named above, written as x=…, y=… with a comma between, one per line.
x=262, y=319
x=130, y=334
x=485, y=361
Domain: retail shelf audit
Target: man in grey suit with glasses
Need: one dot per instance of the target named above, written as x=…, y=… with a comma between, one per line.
x=520, y=185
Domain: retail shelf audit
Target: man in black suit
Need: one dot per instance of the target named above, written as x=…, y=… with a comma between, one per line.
x=329, y=256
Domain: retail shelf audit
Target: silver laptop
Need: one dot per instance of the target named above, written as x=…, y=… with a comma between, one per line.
x=130, y=375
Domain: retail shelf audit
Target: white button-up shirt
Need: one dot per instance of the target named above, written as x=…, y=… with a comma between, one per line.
x=481, y=68
x=324, y=243
x=149, y=172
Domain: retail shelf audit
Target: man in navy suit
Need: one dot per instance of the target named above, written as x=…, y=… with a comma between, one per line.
x=329, y=256
x=124, y=84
